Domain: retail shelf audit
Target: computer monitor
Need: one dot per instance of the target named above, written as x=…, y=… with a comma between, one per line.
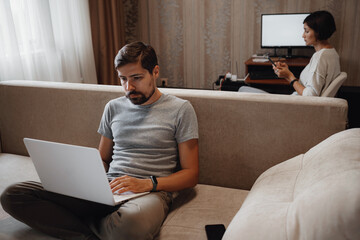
x=283, y=30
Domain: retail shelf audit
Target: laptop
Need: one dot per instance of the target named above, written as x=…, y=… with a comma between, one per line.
x=74, y=171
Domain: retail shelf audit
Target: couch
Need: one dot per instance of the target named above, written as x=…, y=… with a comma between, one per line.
x=270, y=165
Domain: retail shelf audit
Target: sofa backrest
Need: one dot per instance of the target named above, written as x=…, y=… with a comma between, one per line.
x=240, y=134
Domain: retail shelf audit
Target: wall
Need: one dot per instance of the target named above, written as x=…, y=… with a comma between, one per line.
x=197, y=40
x=345, y=39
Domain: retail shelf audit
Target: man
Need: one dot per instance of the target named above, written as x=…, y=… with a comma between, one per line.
x=146, y=136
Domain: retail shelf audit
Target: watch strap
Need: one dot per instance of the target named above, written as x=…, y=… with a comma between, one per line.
x=293, y=81
x=154, y=182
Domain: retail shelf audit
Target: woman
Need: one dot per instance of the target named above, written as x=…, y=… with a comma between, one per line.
x=324, y=65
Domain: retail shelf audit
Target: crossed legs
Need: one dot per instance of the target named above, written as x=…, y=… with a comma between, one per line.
x=71, y=218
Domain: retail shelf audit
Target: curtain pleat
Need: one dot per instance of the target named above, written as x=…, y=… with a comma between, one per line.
x=46, y=41
x=108, y=34
x=198, y=40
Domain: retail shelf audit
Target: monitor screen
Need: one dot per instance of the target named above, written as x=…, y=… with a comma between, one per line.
x=282, y=30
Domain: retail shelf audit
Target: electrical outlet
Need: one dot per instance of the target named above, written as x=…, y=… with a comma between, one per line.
x=163, y=82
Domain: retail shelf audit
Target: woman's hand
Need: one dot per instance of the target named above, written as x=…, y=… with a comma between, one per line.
x=282, y=71
x=126, y=183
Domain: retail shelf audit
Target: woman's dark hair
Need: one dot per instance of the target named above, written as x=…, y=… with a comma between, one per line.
x=323, y=24
x=134, y=52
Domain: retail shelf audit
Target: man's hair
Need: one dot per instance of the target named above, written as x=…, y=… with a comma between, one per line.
x=323, y=24
x=135, y=52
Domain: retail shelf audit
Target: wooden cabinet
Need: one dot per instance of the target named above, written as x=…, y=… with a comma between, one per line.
x=262, y=72
x=270, y=84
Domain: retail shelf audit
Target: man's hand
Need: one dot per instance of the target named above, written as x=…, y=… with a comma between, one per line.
x=125, y=183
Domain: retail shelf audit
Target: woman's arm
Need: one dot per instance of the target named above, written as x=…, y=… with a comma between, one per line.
x=282, y=71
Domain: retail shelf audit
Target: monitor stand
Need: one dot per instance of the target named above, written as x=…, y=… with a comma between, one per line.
x=275, y=55
x=289, y=53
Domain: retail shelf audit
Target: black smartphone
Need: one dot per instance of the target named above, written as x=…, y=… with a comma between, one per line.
x=215, y=231
x=272, y=62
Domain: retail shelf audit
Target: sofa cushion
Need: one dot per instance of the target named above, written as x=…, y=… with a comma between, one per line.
x=197, y=207
x=15, y=168
x=315, y=195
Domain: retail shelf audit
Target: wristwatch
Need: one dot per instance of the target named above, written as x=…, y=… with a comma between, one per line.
x=293, y=81
x=155, y=182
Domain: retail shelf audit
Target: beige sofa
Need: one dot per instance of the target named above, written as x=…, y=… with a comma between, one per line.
x=244, y=139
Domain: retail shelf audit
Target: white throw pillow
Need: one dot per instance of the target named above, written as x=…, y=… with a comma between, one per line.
x=315, y=195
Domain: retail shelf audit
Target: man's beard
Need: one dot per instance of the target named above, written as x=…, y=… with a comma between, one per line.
x=141, y=99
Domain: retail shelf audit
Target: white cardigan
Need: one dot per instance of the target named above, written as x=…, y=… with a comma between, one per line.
x=323, y=68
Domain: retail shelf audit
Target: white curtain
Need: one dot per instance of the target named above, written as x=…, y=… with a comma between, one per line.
x=46, y=40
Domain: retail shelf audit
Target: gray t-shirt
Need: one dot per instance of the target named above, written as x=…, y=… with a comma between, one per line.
x=146, y=137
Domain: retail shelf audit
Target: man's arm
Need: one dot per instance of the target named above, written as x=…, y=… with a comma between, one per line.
x=187, y=177
x=106, y=150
